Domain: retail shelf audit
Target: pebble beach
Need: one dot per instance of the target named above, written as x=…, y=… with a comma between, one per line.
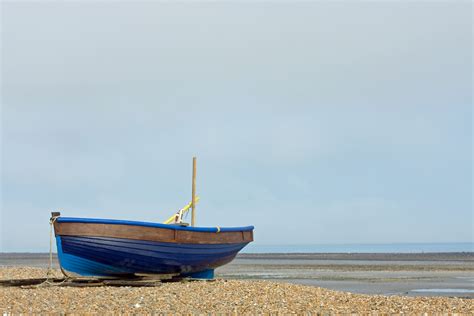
x=203, y=297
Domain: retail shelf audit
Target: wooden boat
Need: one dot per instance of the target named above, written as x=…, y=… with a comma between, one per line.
x=101, y=247
x=122, y=248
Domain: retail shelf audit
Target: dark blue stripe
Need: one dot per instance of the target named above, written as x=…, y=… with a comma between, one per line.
x=148, y=224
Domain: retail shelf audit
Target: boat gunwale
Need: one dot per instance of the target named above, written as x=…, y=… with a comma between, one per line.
x=150, y=224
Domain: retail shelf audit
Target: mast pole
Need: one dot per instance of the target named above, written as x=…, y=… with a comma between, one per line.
x=193, y=200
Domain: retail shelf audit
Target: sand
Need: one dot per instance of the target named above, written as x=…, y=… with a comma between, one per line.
x=201, y=297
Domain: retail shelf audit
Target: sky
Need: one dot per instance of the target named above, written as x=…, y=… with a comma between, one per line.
x=318, y=122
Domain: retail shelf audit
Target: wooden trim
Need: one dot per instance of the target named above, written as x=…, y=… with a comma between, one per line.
x=150, y=233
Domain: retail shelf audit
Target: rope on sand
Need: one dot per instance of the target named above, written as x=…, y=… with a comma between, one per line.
x=49, y=274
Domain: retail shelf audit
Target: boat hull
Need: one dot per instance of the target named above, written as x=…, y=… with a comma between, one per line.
x=108, y=248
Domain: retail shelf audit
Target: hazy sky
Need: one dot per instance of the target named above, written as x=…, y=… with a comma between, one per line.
x=317, y=122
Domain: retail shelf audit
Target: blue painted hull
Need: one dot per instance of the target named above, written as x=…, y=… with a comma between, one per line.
x=118, y=248
x=100, y=256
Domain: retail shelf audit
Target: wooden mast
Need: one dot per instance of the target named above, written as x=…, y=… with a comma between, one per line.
x=193, y=200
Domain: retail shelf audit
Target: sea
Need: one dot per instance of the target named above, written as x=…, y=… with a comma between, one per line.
x=446, y=247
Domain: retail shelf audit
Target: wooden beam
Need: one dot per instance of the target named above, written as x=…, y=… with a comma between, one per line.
x=193, y=199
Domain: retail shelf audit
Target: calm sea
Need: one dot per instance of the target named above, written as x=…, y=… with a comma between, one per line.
x=362, y=248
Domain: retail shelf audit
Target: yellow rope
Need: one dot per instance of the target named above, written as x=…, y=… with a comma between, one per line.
x=184, y=210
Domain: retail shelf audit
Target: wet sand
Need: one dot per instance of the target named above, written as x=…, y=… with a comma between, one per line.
x=446, y=274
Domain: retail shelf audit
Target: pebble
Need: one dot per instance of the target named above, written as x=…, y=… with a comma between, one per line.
x=234, y=297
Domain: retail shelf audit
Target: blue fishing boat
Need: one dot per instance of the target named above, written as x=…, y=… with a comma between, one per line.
x=123, y=248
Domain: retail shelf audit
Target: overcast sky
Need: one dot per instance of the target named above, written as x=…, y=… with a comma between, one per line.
x=317, y=122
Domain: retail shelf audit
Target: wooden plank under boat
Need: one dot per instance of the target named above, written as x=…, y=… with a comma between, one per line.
x=106, y=247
